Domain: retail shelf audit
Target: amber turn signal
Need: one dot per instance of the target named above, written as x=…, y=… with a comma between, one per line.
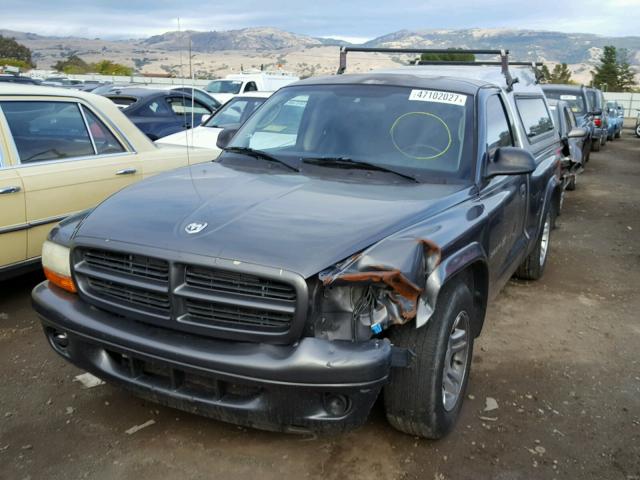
x=66, y=283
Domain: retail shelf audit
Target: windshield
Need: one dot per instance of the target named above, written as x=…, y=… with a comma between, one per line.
x=224, y=86
x=234, y=112
x=426, y=132
x=575, y=100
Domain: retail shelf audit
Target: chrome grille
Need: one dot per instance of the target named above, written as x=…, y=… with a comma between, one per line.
x=219, y=300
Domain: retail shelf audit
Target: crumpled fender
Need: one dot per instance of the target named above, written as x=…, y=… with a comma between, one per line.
x=448, y=268
x=413, y=263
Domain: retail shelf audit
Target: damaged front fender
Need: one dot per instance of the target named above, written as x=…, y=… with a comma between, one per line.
x=397, y=269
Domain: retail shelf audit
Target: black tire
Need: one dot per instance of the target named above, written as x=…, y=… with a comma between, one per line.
x=587, y=155
x=571, y=184
x=617, y=134
x=638, y=131
x=533, y=266
x=595, y=145
x=414, y=398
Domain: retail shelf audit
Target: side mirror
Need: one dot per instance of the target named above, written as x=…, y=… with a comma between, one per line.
x=577, y=132
x=510, y=161
x=225, y=136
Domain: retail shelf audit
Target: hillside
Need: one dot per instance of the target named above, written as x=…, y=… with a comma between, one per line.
x=524, y=44
x=218, y=53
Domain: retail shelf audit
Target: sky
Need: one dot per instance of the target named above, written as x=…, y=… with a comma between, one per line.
x=355, y=21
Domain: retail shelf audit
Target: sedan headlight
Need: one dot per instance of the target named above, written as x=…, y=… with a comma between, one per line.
x=57, y=265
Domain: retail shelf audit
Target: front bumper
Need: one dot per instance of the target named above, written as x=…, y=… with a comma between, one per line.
x=314, y=385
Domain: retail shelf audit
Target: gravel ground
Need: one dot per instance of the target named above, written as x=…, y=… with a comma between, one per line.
x=560, y=357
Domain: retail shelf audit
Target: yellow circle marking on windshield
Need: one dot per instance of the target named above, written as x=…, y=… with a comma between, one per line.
x=431, y=157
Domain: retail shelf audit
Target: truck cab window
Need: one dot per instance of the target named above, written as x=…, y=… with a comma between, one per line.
x=498, y=131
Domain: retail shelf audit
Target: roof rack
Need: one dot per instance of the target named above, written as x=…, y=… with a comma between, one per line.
x=503, y=63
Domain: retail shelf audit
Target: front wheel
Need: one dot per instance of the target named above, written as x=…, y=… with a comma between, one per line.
x=425, y=399
x=638, y=130
x=533, y=266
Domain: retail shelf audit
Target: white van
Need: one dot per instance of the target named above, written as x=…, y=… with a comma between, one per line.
x=235, y=84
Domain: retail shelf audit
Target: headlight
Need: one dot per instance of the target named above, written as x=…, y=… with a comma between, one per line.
x=57, y=265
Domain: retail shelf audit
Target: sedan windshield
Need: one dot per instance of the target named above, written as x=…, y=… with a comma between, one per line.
x=423, y=132
x=234, y=112
x=224, y=86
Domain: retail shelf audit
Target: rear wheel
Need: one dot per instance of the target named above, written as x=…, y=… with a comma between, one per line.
x=425, y=399
x=638, y=130
x=571, y=184
x=595, y=145
x=533, y=266
x=617, y=134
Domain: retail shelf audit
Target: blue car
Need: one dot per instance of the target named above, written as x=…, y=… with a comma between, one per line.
x=616, y=119
x=159, y=113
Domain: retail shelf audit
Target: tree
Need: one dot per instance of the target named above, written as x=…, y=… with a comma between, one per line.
x=21, y=64
x=448, y=57
x=560, y=74
x=614, y=72
x=73, y=64
x=626, y=76
x=546, y=74
x=107, y=67
x=16, y=52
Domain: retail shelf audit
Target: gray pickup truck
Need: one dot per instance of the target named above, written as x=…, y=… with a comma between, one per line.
x=345, y=245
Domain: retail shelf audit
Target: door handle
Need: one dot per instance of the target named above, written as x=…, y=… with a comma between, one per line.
x=7, y=190
x=126, y=171
x=523, y=189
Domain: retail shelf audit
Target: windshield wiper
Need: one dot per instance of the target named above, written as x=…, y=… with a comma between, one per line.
x=261, y=154
x=346, y=162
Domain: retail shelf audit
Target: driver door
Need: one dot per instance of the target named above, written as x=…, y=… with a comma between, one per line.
x=507, y=192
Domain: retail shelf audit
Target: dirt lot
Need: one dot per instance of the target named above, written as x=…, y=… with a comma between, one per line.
x=561, y=357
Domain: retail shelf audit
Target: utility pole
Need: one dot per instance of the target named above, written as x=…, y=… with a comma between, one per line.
x=190, y=57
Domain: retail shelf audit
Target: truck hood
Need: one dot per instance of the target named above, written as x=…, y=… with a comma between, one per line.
x=299, y=223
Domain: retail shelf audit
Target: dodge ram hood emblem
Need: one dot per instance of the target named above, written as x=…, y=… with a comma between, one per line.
x=195, y=227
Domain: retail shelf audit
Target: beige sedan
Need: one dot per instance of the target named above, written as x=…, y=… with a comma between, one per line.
x=63, y=151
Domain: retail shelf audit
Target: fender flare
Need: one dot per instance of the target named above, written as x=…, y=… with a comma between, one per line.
x=552, y=192
x=447, y=268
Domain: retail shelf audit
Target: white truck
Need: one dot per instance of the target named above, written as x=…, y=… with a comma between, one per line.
x=226, y=88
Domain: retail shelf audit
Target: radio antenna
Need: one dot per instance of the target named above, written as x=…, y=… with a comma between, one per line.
x=184, y=113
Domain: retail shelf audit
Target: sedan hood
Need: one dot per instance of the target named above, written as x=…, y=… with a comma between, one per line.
x=204, y=137
x=291, y=221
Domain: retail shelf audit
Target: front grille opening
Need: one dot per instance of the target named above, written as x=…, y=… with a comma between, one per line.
x=131, y=295
x=233, y=316
x=207, y=300
x=164, y=376
x=135, y=265
x=223, y=281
